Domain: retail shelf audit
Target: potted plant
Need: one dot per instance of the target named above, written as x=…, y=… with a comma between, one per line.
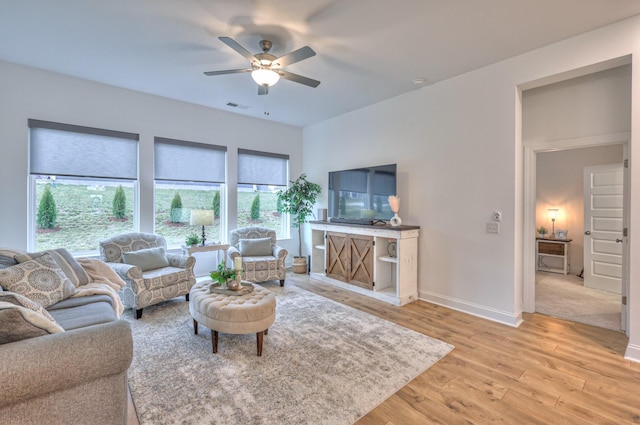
x=298, y=200
x=542, y=231
x=192, y=240
x=222, y=274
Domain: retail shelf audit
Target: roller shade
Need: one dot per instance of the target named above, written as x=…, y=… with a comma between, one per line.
x=262, y=168
x=69, y=150
x=179, y=160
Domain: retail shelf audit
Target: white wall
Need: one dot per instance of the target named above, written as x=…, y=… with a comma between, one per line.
x=560, y=185
x=31, y=93
x=458, y=145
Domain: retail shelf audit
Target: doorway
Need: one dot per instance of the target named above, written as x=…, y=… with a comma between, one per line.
x=590, y=108
x=560, y=191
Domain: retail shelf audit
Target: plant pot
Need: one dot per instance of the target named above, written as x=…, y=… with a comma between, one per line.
x=299, y=264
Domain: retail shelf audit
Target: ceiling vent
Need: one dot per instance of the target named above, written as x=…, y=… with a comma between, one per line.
x=237, y=105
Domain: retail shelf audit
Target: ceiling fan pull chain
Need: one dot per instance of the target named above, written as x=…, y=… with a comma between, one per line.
x=266, y=107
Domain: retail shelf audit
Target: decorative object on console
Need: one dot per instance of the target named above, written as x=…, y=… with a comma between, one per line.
x=561, y=234
x=299, y=200
x=542, y=231
x=392, y=248
x=192, y=239
x=201, y=218
x=553, y=214
x=394, y=203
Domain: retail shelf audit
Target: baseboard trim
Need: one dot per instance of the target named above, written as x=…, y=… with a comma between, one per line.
x=495, y=315
x=632, y=353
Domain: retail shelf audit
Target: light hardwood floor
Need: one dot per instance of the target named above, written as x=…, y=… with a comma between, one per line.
x=547, y=371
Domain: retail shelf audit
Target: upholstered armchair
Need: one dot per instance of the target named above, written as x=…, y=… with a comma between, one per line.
x=262, y=259
x=151, y=274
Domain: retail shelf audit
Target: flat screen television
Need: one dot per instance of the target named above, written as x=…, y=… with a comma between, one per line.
x=361, y=194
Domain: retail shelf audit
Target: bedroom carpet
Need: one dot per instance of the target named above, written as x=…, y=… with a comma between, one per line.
x=322, y=363
x=565, y=297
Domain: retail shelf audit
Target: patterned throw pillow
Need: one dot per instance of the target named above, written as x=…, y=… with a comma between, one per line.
x=69, y=265
x=41, y=280
x=22, y=318
x=22, y=301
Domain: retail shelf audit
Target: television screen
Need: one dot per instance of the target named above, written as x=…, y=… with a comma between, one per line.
x=362, y=193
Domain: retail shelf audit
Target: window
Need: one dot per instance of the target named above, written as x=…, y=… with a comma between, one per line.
x=188, y=176
x=260, y=176
x=75, y=175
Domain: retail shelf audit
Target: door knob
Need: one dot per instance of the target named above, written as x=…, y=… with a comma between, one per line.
x=588, y=232
x=618, y=240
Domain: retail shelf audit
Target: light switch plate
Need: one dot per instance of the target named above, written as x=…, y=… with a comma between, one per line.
x=493, y=227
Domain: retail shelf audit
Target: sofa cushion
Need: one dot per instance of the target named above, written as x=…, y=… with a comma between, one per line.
x=41, y=280
x=255, y=247
x=147, y=259
x=94, y=310
x=69, y=265
x=21, y=318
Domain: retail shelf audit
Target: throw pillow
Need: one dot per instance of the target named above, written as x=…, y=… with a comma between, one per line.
x=7, y=261
x=69, y=265
x=22, y=318
x=255, y=247
x=147, y=259
x=41, y=280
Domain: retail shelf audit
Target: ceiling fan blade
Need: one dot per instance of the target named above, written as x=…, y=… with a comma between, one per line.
x=263, y=90
x=295, y=56
x=299, y=78
x=228, y=71
x=238, y=48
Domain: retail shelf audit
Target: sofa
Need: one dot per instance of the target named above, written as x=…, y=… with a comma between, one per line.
x=151, y=274
x=65, y=363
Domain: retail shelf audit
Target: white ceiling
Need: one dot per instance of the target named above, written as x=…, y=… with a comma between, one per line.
x=367, y=50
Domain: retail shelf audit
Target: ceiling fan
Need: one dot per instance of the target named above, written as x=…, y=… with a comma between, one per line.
x=266, y=69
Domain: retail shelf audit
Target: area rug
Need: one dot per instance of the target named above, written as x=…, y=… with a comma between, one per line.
x=322, y=363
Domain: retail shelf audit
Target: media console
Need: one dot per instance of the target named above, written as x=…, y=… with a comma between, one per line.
x=374, y=260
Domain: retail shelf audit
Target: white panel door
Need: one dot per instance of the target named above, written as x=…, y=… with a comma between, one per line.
x=603, y=213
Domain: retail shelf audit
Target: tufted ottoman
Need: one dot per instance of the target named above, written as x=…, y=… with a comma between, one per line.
x=244, y=314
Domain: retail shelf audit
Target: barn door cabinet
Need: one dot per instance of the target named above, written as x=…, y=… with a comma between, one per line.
x=378, y=261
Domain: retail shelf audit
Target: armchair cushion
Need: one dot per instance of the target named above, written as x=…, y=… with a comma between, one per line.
x=255, y=247
x=41, y=280
x=147, y=259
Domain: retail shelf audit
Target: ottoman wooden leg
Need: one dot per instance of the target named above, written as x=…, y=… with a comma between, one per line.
x=195, y=327
x=266, y=331
x=260, y=337
x=214, y=341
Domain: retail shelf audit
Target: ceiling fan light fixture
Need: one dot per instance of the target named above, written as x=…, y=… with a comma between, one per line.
x=265, y=77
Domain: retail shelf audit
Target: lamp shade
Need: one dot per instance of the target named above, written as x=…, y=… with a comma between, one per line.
x=553, y=213
x=201, y=218
x=265, y=77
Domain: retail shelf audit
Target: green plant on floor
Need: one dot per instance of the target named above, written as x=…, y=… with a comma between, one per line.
x=47, y=211
x=222, y=274
x=192, y=239
x=255, y=208
x=176, y=208
x=119, y=203
x=299, y=200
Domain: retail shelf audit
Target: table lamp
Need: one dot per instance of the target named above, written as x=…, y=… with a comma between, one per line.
x=201, y=218
x=553, y=213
